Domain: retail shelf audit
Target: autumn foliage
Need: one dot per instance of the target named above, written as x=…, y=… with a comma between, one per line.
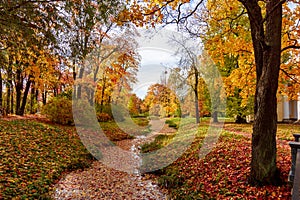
x=224, y=172
x=59, y=110
x=34, y=155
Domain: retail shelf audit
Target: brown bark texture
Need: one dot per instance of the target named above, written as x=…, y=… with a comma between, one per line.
x=266, y=37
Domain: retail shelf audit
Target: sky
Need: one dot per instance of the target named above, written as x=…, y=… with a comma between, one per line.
x=153, y=64
x=157, y=55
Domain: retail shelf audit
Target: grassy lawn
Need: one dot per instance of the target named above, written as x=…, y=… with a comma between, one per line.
x=284, y=131
x=221, y=174
x=127, y=129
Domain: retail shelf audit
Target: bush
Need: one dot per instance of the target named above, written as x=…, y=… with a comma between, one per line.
x=117, y=114
x=141, y=121
x=103, y=117
x=173, y=123
x=59, y=110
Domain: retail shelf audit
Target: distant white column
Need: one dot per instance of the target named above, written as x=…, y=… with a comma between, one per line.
x=286, y=108
x=280, y=109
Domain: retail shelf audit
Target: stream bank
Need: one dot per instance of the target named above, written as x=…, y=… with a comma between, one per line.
x=102, y=182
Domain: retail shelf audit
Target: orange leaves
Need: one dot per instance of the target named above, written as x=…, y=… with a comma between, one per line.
x=223, y=173
x=229, y=43
x=147, y=12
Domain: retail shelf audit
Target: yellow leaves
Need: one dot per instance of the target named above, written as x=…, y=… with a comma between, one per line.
x=158, y=2
x=289, y=76
x=148, y=12
x=160, y=100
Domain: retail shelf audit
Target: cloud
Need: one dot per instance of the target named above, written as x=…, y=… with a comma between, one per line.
x=153, y=64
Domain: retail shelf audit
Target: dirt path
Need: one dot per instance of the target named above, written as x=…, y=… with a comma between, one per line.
x=102, y=182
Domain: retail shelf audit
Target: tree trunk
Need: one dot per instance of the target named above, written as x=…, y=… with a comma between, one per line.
x=267, y=50
x=197, y=107
x=24, y=101
x=19, y=88
x=79, y=86
x=44, y=97
x=9, y=87
x=215, y=117
x=32, y=99
x=1, y=105
x=196, y=74
x=240, y=119
x=8, y=98
x=12, y=99
x=102, y=94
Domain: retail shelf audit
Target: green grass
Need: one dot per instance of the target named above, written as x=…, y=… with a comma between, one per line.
x=284, y=131
x=113, y=131
x=159, y=142
x=127, y=129
x=34, y=155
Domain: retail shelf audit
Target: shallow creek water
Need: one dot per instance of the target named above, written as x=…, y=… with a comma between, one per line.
x=103, y=182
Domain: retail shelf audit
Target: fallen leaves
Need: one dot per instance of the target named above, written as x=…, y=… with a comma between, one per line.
x=33, y=155
x=102, y=182
x=223, y=173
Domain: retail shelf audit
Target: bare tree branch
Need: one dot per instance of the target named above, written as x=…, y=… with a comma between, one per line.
x=290, y=76
x=290, y=47
x=184, y=18
x=293, y=46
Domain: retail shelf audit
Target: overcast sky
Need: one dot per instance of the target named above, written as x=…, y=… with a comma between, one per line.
x=153, y=64
x=156, y=54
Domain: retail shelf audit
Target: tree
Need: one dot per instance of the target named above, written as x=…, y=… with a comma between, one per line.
x=90, y=22
x=161, y=100
x=35, y=47
x=228, y=25
x=29, y=19
x=190, y=65
x=27, y=30
x=266, y=27
x=134, y=105
x=113, y=68
x=266, y=39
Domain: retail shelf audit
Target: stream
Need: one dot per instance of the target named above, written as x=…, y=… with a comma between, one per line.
x=103, y=182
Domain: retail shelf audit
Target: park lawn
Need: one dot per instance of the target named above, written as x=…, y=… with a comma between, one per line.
x=284, y=131
x=222, y=173
x=127, y=129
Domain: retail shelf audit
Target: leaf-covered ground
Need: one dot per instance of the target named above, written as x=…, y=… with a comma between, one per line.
x=33, y=155
x=223, y=173
x=103, y=182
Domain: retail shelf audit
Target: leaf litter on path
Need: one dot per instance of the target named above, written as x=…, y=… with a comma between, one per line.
x=103, y=182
